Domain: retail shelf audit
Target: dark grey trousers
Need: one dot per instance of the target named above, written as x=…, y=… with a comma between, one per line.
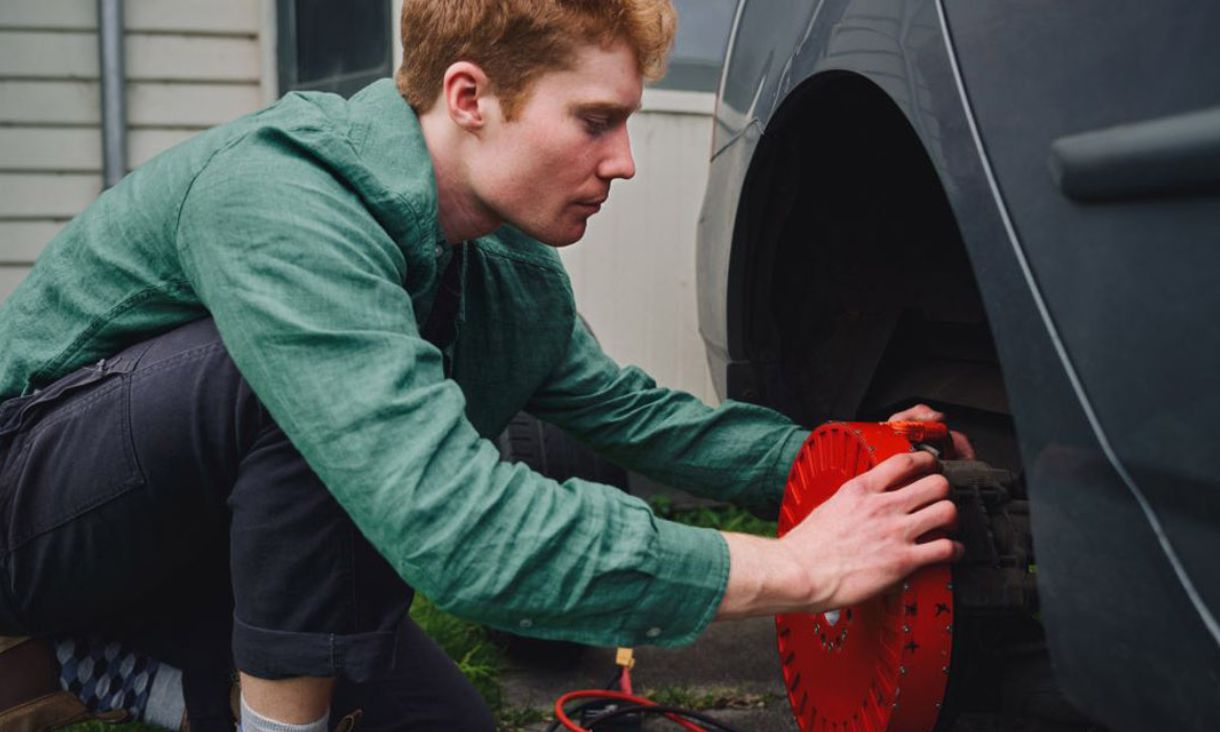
x=151, y=498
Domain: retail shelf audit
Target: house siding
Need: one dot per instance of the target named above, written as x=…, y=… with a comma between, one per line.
x=190, y=64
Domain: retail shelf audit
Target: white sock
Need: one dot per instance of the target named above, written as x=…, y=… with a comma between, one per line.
x=252, y=721
x=165, y=703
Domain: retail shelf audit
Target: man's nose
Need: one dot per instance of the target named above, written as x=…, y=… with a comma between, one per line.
x=619, y=162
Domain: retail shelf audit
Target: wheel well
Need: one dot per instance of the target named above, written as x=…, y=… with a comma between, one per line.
x=859, y=295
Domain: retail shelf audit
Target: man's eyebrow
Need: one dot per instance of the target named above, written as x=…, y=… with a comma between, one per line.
x=606, y=108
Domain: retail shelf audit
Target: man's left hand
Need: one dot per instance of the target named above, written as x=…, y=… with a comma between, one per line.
x=962, y=449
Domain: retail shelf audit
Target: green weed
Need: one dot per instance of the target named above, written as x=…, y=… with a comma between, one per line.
x=514, y=719
x=701, y=699
x=467, y=643
x=721, y=518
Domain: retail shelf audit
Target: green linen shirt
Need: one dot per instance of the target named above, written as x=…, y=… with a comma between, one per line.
x=309, y=231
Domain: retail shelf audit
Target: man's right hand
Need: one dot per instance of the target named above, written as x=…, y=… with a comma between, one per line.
x=877, y=529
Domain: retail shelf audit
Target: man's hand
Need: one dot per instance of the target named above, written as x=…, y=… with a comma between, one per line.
x=923, y=413
x=876, y=530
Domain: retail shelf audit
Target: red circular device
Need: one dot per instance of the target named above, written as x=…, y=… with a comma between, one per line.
x=882, y=665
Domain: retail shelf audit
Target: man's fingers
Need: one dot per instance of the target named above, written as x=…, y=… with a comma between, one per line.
x=918, y=413
x=961, y=445
x=940, y=516
x=923, y=492
x=897, y=470
x=937, y=552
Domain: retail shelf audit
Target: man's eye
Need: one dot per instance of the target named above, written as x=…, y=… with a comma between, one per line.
x=597, y=125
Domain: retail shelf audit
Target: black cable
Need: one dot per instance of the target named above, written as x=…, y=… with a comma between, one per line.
x=692, y=715
x=628, y=708
x=587, y=705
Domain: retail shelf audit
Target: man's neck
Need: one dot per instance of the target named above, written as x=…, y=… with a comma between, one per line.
x=462, y=216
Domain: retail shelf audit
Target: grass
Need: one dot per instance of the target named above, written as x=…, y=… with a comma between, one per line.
x=720, y=517
x=482, y=661
x=513, y=719
x=468, y=644
x=703, y=699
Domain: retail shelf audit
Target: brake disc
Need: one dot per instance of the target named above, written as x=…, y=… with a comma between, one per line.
x=883, y=665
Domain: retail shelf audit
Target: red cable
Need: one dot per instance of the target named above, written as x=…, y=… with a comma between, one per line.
x=624, y=681
x=606, y=694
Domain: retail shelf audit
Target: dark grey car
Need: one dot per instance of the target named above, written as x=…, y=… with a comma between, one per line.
x=1009, y=209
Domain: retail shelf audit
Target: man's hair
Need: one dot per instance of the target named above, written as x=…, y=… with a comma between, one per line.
x=516, y=41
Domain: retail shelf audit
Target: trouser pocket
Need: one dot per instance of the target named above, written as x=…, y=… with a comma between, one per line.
x=67, y=449
x=19, y=412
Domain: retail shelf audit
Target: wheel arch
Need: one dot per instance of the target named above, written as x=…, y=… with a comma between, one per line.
x=846, y=258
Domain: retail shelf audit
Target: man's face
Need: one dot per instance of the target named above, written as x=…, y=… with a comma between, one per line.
x=549, y=169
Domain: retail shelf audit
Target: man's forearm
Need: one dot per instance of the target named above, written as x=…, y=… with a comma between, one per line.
x=764, y=580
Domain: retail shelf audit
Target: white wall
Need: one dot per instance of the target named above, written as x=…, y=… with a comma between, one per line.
x=191, y=64
x=634, y=272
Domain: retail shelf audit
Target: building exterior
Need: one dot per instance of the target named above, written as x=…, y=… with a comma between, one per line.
x=192, y=64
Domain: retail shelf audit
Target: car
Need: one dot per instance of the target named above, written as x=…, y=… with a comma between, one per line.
x=1010, y=211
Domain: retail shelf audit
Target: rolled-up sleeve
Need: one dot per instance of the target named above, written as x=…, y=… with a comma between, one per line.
x=306, y=289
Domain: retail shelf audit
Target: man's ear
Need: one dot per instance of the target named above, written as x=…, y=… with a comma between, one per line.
x=465, y=92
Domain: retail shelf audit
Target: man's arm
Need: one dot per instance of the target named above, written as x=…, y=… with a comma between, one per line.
x=735, y=452
x=866, y=538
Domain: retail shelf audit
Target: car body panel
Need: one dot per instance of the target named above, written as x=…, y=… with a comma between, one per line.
x=1096, y=341
x=1131, y=282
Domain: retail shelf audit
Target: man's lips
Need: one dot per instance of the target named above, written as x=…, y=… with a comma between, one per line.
x=593, y=203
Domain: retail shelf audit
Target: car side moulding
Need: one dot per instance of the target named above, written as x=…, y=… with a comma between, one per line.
x=1165, y=156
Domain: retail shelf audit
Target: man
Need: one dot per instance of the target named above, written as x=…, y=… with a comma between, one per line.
x=304, y=325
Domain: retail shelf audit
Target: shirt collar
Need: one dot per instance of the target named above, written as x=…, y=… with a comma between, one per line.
x=387, y=136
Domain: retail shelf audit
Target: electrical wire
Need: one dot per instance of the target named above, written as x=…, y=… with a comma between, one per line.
x=635, y=705
x=711, y=722
x=624, y=682
x=632, y=705
x=562, y=717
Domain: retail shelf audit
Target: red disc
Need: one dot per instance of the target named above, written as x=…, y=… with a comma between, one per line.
x=880, y=666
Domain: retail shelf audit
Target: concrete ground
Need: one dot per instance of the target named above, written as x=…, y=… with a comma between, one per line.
x=733, y=660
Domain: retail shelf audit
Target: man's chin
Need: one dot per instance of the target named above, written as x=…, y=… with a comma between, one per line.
x=558, y=238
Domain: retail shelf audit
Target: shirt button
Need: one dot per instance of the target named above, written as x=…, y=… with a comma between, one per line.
x=653, y=632
x=527, y=623
x=440, y=249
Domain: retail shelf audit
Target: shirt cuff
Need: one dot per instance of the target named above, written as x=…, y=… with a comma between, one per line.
x=783, y=464
x=691, y=574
